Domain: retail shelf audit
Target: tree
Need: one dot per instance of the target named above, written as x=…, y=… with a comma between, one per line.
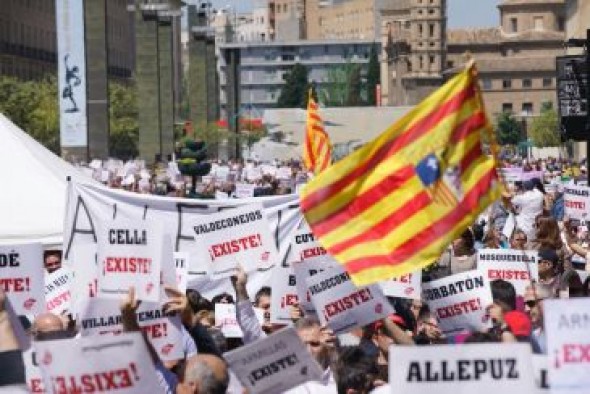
x=354, y=87
x=544, y=129
x=294, y=92
x=123, y=121
x=508, y=130
x=373, y=77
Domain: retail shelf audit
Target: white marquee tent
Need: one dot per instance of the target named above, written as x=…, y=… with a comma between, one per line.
x=33, y=188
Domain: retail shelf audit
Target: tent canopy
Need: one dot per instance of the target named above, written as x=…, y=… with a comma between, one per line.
x=33, y=192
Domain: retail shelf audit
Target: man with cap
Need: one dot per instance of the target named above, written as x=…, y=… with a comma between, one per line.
x=533, y=301
x=528, y=206
x=548, y=272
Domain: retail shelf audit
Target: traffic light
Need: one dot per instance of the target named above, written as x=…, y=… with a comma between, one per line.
x=191, y=163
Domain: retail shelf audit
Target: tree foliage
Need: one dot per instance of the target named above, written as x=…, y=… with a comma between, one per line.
x=544, y=129
x=123, y=121
x=373, y=77
x=294, y=92
x=508, y=130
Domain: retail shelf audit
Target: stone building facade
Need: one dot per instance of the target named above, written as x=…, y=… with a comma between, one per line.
x=516, y=60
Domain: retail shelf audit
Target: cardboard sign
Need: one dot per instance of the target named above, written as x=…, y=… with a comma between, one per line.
x=21, y=277
x=406, y=286
x=240, y=235
x=343, y=306
x=181, y=262
x=58, y=294
x=515, y=266
x=306, y=248
x=283, y=295
x=460, y=301
x=129, y=254
x=576, y=201
x=226, y=321
x=274, y=364
x=244, y=190
x=567, y=325
x=100, y=316
x=119, y=364
x=472, y=368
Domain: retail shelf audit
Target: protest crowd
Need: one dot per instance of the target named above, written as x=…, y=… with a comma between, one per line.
x=241, y=291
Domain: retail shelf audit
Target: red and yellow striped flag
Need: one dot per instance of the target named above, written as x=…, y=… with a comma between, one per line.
x=317, y=150
x=394, y=205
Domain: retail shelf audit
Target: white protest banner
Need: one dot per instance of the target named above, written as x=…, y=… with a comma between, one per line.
x=343, y=306
x=459, y=301
x=567, y=324
x=283, y=295
x=518, y=267
x=181, y=261
x=21, y=276
x=244, y=190
x=485, y=368
x=274, y=364
x=102, y=364
x=219, y=195
x=576, y=201
x=241, y=235
x=129, y=254
x=226, y=321
x=58, y=294
x=541, y=372
x=528, y=175
x=89, y=204
x=102, y=316
x=405, y=286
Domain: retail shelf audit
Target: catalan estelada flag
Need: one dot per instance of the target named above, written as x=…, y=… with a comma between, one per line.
x=394, y=205
x=317, y=150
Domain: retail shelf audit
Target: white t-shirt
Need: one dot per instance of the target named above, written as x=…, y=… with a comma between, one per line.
x=530, y=205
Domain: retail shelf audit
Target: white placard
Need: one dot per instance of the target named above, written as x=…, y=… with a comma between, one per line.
x=253, y=173
x=219, y=195
x=129, y=254
x=518, y=267
x=567, y=325
x=405, y=286
x=221, y=172
x=576, y=201
x=33, y=372
x=181, y=262
x=58, y=293
x=509, y=226
x=21, y=277
x=83, y=263
x=343, y=306
x=235, y=236
x=460, y=301
x=244, y=190
x=119, y=364
x=226, y=321
x=102, y=316
x=304, y=270
x=274, y=364
x=488, y=368
x=306, y=248
x=283, y=295
x=284, y=173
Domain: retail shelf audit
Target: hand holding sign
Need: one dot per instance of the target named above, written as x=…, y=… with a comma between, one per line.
x=128, y=310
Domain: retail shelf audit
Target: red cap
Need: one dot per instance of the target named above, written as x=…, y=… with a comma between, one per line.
x=397, y=319
x=519, y=323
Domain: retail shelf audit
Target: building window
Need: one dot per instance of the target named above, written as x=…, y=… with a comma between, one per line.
x=506, y=107
x=561, y=24
x=421, y=62
x=527, y=109
x=431, y=58
x=486, y=84
x=547, y=82
x=420, y=30
x=507, y=83
x=538, y=22
x=527, y=83
x=513, y=25
x=431, y=29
